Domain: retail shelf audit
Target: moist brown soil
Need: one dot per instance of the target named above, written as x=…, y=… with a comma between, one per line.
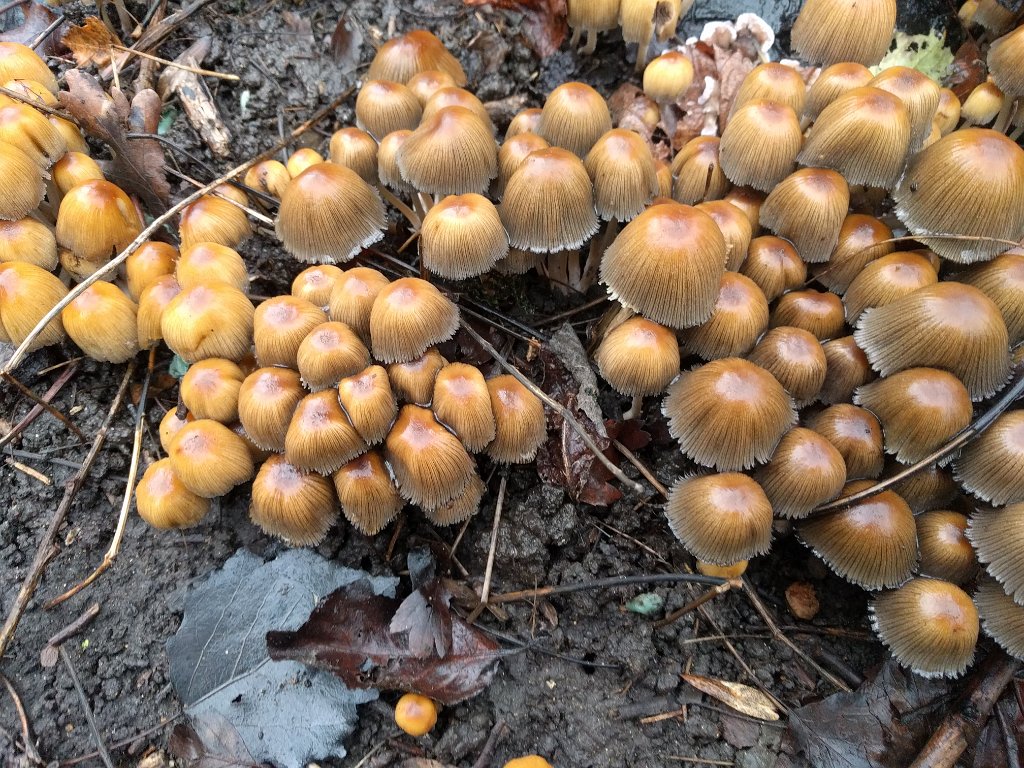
x=576, y=713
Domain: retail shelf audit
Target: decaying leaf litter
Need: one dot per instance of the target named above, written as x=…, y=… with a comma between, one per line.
x=594, y=714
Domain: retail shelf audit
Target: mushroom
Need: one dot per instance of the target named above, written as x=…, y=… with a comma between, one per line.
x=292, y=504
x=796, y=358
x=862, y=239
x=832, y=31
x=735, y=228
x=210, y=389
x=22, y=186
x=164, y=502
x=19, y=62
x=520, y=425
x=428, y=82
x=146, y=264
x=209, y=458
x=152, y=303
x=760, y=144
x=461, y=507
x=462, y=236
x=817, y=312
x=208, y=321
x=29, y=241
x=413, y=381
x=739, y=318
x=430, y=464
x=774, y=265
x=772, y=81
x=511, y=155
x=320, y=437
x=856, y=434
x=831, y=83
x=301, y=159
x=368, y=496
x=370, y=403
x=918, y=92
x=357, y=150
x=808, y=208
x=270, y=177
x=946, y=552
x=1001, y=618
x=73, y=169
x=698, y=172
x=806, y=470
x=408, y=316
x=574, y=117
x=96, y=220
x=846, y=368
x=352, y=298
x=27, y=129
x=266, y=401
x=415, y=714
x=450, y=153
x=209, y=263
x=461, y=401
x=216, y=218
x=1002, y=280
x=417, y=51
x=383, y=106
x=638, y=358
x=992, y=466
x=328, y=353
x=279, y=326
x=886, y=280
x=315, y=284
x=27, y=293
x=591, y=16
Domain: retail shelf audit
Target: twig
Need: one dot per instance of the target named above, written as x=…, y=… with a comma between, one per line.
x=982, y=423
x=19, y=354
x=44, y=404
x=608, y=583
x=485, y=591
x=694, y=604
x=779, y=635
x=86, y=709
x=125, y=742
x=35, y=103
x=574, y=311
x=126, y=502
x=177, y=65
x=75, y=626
x=35, y=474
x=487, y=752
x=37, y=409
x=641, y=468
x=46, y=32
x=26, y=730
x=71, y=490
x=962, y=728
x=555, y=406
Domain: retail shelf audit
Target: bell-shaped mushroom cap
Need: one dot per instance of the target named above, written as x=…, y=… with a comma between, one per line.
x=928, y=625
x=872, y=543
x=735, y=227
x=301, y=159
x=667, y=76
x=291, y=503
x=886, y=280
x=266, y=402
x=947, y=115
x=946, y=553
x=525, y=121
x=27, y=293
x=817, y=312
x=413, y=381
x=992, y=467
x=861, y=241
x=721, y=518
x=622, y=168
x=329, y=214
x=941, y=192
x=520, y=424
x=102, y=322
x=948, y=325
x=352, y=298
x=918, y=92
x=144, y=266
x=1006, y=63
x=728, y=414
x=638, y=357
x=451, y=153
x=774, y=265
x=208, y=321
x=749, y=201
x=667, y=264
x=864, y=134
x=210, y=388
x=930, y=488
x=738, y=320
x=997, y=536
x=408, y=316
x=329, y=353
x=462, y=236
x=428, y=82
x=215, y=218
x=163, y=500
x=270, y=177
x=388, y=172
x=370, y=403
x=279, y=326
x=548, y=204
x=697, y=171
x=456, y=97
x=574, y=117
x=30, y=241
x=1001, y=618
x=1002, y=280
x=368, y=496
x=830, y=31
x=357, y=150
x=460, y=508
x=22, y=186
x=832, y=82
x=794, y=357
x=856, y=433
x=383, y=106
x=919, y=409
x=29, y=130
x=209, y=458
x=806, y=470
x=430, y=464
x=417, y=51
x=315, y=284
x=96, y=220
x=846, y=368
x=982, y=104
x=462, y=402
x=19, y=62
x=320, y=437
x=511, y=155
x=760, y=144
x=772, y=81
x=808, y=207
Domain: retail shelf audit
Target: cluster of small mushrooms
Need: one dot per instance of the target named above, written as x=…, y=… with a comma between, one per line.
x=801, y=353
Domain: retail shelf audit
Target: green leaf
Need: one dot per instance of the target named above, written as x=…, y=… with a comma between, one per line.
x=167, y=118
x=177, y=368
x=646, y=604
x=927, y=54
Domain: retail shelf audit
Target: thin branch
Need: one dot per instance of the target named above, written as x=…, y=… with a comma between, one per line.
x=35, y=103
x=694, y=604
x=608, y=583
x=26, y=730
x=42, y=402
x=87, y=710
x=37, y=409
x=485, y=592
x=177, y=65
x=19, y=354
x=557, y=407
x=71, y=489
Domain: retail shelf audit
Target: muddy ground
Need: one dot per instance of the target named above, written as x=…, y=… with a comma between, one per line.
x=575, y=714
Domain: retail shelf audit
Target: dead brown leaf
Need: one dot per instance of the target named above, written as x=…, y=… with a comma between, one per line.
x=744, y=699
x=968, y=70
x=802, y=600
x=346, y=42
x=138, y=165
x=92, y=43
x=36, y=18
x=544, y=25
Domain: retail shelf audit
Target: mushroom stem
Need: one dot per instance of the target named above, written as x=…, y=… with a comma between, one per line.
x=1006, y=113
x=410, y=215
x=598, y=246
x=634, y=409
x=426, y=201
x=668, y=119
x=591, y=42
x=574, y=40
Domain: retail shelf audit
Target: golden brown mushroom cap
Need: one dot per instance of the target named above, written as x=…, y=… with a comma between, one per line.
x=209, y=458
x=760, y=144
x=832, y=31
x=462, y=236
x=738, y=320
x=1001, y=618
x=520, y=424
x=266, y=402
x=806, y=470
x=417, y=51
x=368, y=496
x=574, y=116
x=430, y=464
x=856, y=433
x=102, y=322
x=638, y=357
x=808, y=208
x=163, y=501
x=450, y=153
x=291, y=503
x=408, y=316
x=946, y=552
x=992, y=466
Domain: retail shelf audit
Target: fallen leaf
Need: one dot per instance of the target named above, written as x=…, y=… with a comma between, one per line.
x=802, y=600
x=882, y=724
x=968, y=70
x=633, y=110
x=744, y=699
x=210, y=741
x=346, y=43
x=36, y=17
x=298, y=24
x=92, y=43
x=349, y=633
x=138, y=165
x=284, y=713
x=424, y=614
x=544, y=25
